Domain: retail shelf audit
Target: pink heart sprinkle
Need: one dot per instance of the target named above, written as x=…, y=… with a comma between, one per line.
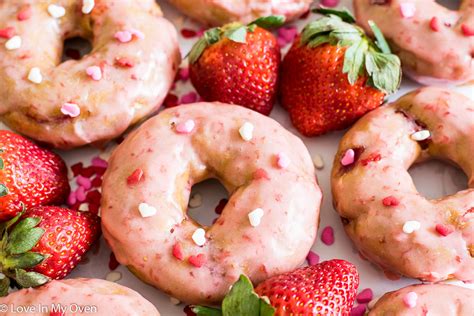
x=190, y=97
x=410, y=299
x=444, y=230
x=71, y=199
x=84, y=182
x=312, y=258
x=81, y=194
x=99, y=162
x=70, y=109
x=365, y=296
x=348, y=158
x=185, y=127
x=327, y=236
x=283, y=161
x=94, y=72
x=359, y=310
x=123, y=36
x=330, y=3
x=407, y=9
x=184, y=74
x=287, y=34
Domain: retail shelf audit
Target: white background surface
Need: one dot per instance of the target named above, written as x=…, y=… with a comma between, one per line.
x=433, y=179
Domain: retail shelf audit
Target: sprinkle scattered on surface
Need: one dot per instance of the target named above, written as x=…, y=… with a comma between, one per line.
x=177, y=251
x=13, y=43
x=407, y=9
x=84, y=207
x=348, y=158
x=135, y=177
x=195, y=200
x=185, y=127
x=174, y=301
x=94, y=72
x=87, y=6
x=318, y=161
x=421, y=135
x=283, y=161
x=390, y=201
x=56, y=11
x=467, y=30
x=327, y=235
x=70, y=109
x=434, y=24
x=197, y=261
x=146, y=210
x=246, y=131
x=330, y=3
x=24, y=13
x=410, y=299
x=312, y=258
x=255, y=217
x=123, y=36
x=189, y=97
x=365, y=296
x=7, y=32
x=199, y=237
x=113, y=276
x=35, y=75
x=444, y=230
x=411, y=226
x=359, y=310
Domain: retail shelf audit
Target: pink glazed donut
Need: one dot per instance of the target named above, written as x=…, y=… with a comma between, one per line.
x=382, y=212
x=220, y=12
x=267, y=227
x=126, y=76
x=426, y=299
x=435, y=44
x=77, y=297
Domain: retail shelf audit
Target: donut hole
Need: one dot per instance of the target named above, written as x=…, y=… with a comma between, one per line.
x=75, y=48
x=450, y=4
x=444, y=179
x=211, y=193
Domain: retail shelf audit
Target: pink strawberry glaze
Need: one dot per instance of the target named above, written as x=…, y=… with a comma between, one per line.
x=376, y=228
x=434, y=299
x=109, y=298
x=123, y=96
x=430, y=41
x=172, y=163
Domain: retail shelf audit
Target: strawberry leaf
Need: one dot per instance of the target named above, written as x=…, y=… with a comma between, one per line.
x=23, y=226
x=354, y=61
x=210, y=37
x=22, y=243
x=384, y=70
x=3, y=190
x=23, y=261
x=269, y=22
x=206, y=311
x=4, y=285
x=379, y=38
x=344, y=14
x=30, y=279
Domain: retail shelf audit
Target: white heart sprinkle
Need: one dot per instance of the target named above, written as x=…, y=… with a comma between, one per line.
x=13, y=43
x=246, y=131
x=87, y=6
x=255, y=217
x=195, y=201
x=421, y=135
x=56, y=11
x=84, y=207
x=199, y=237
x=70, y=109
x=35, y=75
x=318, y=161
x=113, y=276
x=411, y=226
x=146, y=210
x=174, y=301
x=283, y=161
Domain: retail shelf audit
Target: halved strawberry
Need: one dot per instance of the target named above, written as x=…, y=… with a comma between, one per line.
x=29, y=175
x=328, y=288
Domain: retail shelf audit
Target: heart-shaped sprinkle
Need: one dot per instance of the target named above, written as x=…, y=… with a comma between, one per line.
x=312, y=258
x=146, y=210
x=318, y=161
x=421, y=135
x=283, y=161
x=390, y=201
x=114, y=276
x=410, y=299
x=56, y=11
x=174, y=301
x=35, y=75
x=407, y=9
x=185, y=127
x=411, y=226
x=195, y=200
x=87, y=6
x=327, y=235
x=255, y=217
x=123, y=36
x=84, y=207
x=197, y=261
x=94, y=72
x=70, y=109
x=359, y=310
x=467, y=30
x=348, y=158
x=199, y=237
x=444, y=230
x=246, y=131
x=365, y=296
x=25, y=13
x=13, y=43
x=7, y=32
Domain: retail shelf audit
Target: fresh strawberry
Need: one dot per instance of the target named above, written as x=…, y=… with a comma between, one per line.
x=238, y=64
x=45, y=243
x=328, y=288
x=334, y=74
x=29, y=175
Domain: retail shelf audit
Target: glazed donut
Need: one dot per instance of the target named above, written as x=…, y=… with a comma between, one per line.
x=125, y=77
x=267, y=227
x=77, y=297
x=425, y=299
x=220, y=12
x=435, y=44
x=382, y=212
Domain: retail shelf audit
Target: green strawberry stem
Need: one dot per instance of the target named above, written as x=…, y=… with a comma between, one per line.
x=363, y=56
x=18, y=238
x=240, y=301
x=235, y=32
